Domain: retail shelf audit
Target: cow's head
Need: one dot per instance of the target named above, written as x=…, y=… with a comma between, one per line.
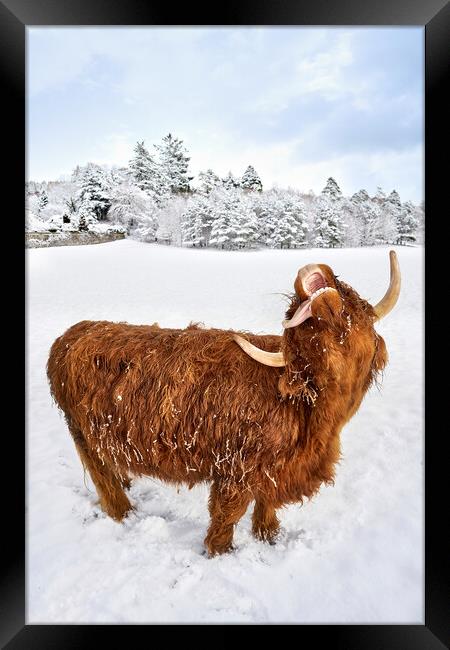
x=324, y=306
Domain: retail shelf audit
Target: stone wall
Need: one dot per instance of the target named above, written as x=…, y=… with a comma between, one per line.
x=45, y=239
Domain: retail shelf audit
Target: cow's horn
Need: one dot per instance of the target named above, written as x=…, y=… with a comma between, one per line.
x=275, y=359
x=388, y=301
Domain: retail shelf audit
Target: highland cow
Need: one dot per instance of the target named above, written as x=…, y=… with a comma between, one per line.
x=257, y=416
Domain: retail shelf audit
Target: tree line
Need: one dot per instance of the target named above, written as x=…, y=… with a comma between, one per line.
x=152, y=199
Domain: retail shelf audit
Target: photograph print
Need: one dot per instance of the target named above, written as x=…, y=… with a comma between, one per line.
x=225, y=257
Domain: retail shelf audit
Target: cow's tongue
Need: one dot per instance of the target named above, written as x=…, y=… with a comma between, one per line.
x=301, y=314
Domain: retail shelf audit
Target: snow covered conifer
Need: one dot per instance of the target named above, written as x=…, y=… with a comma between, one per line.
x=287, y=226
x=419, y=212
x=329, y=227
x=141, y=167
x=360, y=197
x=42, y=201
x=196, y=223
x=394, y=199
x=358, y=206
x=390, y=211
x=147, y=174
x=373, y=224
x=222, y=233
x=299, y=213
x=284, y=232
x=250, y=180
x=268, y=212
x=191, y=227
x=84, y=218
x=407, y=224
x=332, y=189
x=95, y=190
x=174, y=163
x=379, y=196
x=209, y=181
x=230, y=182
x=245, y=224
x=229, y=226
x=120, y=175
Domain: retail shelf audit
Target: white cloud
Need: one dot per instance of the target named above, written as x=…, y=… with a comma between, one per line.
x=321, y=73
x=237, y=96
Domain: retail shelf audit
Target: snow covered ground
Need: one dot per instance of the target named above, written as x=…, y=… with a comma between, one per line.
x=354, y=554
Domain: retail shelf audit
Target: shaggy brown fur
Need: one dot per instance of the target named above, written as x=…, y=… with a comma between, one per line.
x=188, y=405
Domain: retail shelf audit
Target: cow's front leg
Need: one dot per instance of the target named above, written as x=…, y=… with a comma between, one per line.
x=226, y=507
x=265, y=524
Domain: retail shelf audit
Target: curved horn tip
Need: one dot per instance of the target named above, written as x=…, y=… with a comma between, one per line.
x=389, y=300
x=393, y=256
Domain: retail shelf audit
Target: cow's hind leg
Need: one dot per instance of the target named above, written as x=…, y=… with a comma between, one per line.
x=113, y=500
x=226, y=507
x=265, y=524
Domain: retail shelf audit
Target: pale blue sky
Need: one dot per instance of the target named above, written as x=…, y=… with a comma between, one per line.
x=299, y=104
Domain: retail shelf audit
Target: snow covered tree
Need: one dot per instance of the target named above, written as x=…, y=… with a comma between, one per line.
x=358, y=206
x=250, y=180
x=33, y=223
x=95, y=190
x=120, y=175
x=234, y=221
x=146, y=227
x=391, y=208
x=299, y=213
x=71, y=205
x=329, y=223
x=245, y=225
x=350, y=218
x=170, y=215
x=130, y=206
x=164, y=236
x=209, y=181
x=394, y=199
x=222, y=230
x=371, y=219
x=148, y=175
x=407, y=224
x=285, y=222
x=230, y=182
x=76, y=173
x=174, y=163
x=196, y=223
x=379, y=196
x=268, y=209
x=142, y=167
x=43, y=201
x=284, y=233
x=70, y=209
x=332, y=190
x=419, y=212
x=84, y=218
x=329, y=227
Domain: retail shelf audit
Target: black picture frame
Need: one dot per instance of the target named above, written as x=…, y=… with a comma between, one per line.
x=434, y=15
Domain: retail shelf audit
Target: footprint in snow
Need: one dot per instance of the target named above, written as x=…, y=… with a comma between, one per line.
x=90, y=518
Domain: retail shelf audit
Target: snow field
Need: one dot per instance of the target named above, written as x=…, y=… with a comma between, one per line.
x=354, y=554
